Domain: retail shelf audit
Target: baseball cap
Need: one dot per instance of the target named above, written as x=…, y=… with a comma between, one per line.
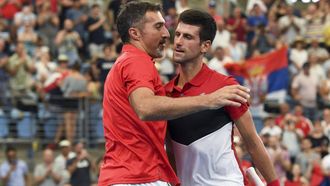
x=64, y=143
x=212, y=4
x=62, y=57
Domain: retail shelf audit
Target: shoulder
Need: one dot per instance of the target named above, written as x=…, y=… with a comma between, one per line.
x=223, y=79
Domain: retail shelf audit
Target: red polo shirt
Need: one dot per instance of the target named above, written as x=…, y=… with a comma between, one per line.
x=134, y=148
x=205, y=82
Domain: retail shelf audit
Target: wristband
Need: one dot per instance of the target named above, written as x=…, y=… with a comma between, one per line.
x=274, y=183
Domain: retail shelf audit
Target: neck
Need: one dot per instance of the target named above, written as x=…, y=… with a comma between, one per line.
x=188, y=71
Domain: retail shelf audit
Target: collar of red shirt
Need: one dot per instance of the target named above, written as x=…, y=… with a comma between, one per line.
x=133, y=49
x=197, y=81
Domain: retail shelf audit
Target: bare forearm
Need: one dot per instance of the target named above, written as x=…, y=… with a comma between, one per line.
x=151, y=107
x=261, y=159
x=165, y=108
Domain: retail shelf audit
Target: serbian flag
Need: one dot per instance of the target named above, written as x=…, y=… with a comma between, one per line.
x=273, y=66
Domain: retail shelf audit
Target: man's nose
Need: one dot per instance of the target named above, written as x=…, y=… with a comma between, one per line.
x=166, y=33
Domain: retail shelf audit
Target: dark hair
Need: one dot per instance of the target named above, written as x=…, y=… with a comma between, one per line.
x=9, y=149
x=202, y=19
x=131, y=14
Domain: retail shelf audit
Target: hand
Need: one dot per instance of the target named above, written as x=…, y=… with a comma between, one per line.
x=233, y=95
x=12, y=167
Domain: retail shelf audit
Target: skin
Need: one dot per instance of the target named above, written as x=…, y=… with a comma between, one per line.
x=189, y=50
x=150, y=36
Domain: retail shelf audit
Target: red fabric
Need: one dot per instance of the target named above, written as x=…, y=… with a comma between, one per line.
x=240, y=30
x=304, y=126
x=205, y=82
x=317, y=175
x=278, y=120
x=134, y=148
x=293, y=183
x=260, y=65
x=9, y=9
x=274, y=183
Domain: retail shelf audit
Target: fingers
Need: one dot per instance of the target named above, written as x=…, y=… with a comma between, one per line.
x=234, y=95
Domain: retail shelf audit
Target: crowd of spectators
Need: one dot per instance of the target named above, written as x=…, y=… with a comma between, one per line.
x=55, y=53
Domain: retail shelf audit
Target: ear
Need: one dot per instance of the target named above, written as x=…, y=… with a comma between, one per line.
x=134, y=34
x=205, y=46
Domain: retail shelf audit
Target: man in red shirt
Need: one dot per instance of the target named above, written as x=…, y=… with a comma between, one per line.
x=204, y=152
x=134, y=95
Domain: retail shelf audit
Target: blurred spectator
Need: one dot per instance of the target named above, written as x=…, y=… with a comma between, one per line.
x=284, y=110
x=291, y=26
x=316, y=69
x=29, y=37
x=113, y=10
x=44, y=67
x=295, y=177
x=279, y=156
x=103, y=64
x=64, y=6
x=306, y=157
x=291, y=139
x=73, y=87
x=96, y=37
x=61, y=174
x=171, y=21
x=222, y=36
x=166, y=66
x=314, y=22
x=181, y=5
x=252, y=3
x=68, y=42
x=303, y=124
x=78, y=15
x=236, y=49
x=26, y=16
x=20, y=68
x=48, y=25
x=212, y=10
x=316, y=49
x=80, y=167
x=13, y=171
x=236, y=24
x=324, y=91
x=320, y=142
x=262, y=41
x=219, y=60
x=271, y=128
x=304, y=90
x=325, y=122
x=8, y=9
x=255, y=18
x=43, y=172
x=298, y=55
x=4, y=77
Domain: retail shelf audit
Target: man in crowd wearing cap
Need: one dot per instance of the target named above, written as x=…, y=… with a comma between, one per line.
x=61, y=174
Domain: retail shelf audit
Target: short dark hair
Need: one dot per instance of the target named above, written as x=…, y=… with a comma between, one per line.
x=10, y=148
x=202, y=19
x=131, y=14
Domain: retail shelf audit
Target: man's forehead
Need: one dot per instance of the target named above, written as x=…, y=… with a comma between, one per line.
x=154, y=16
x=192, y=29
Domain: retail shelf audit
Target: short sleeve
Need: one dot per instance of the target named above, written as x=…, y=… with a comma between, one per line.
x=139, y=73
x=3, y=171
x=235, y=112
